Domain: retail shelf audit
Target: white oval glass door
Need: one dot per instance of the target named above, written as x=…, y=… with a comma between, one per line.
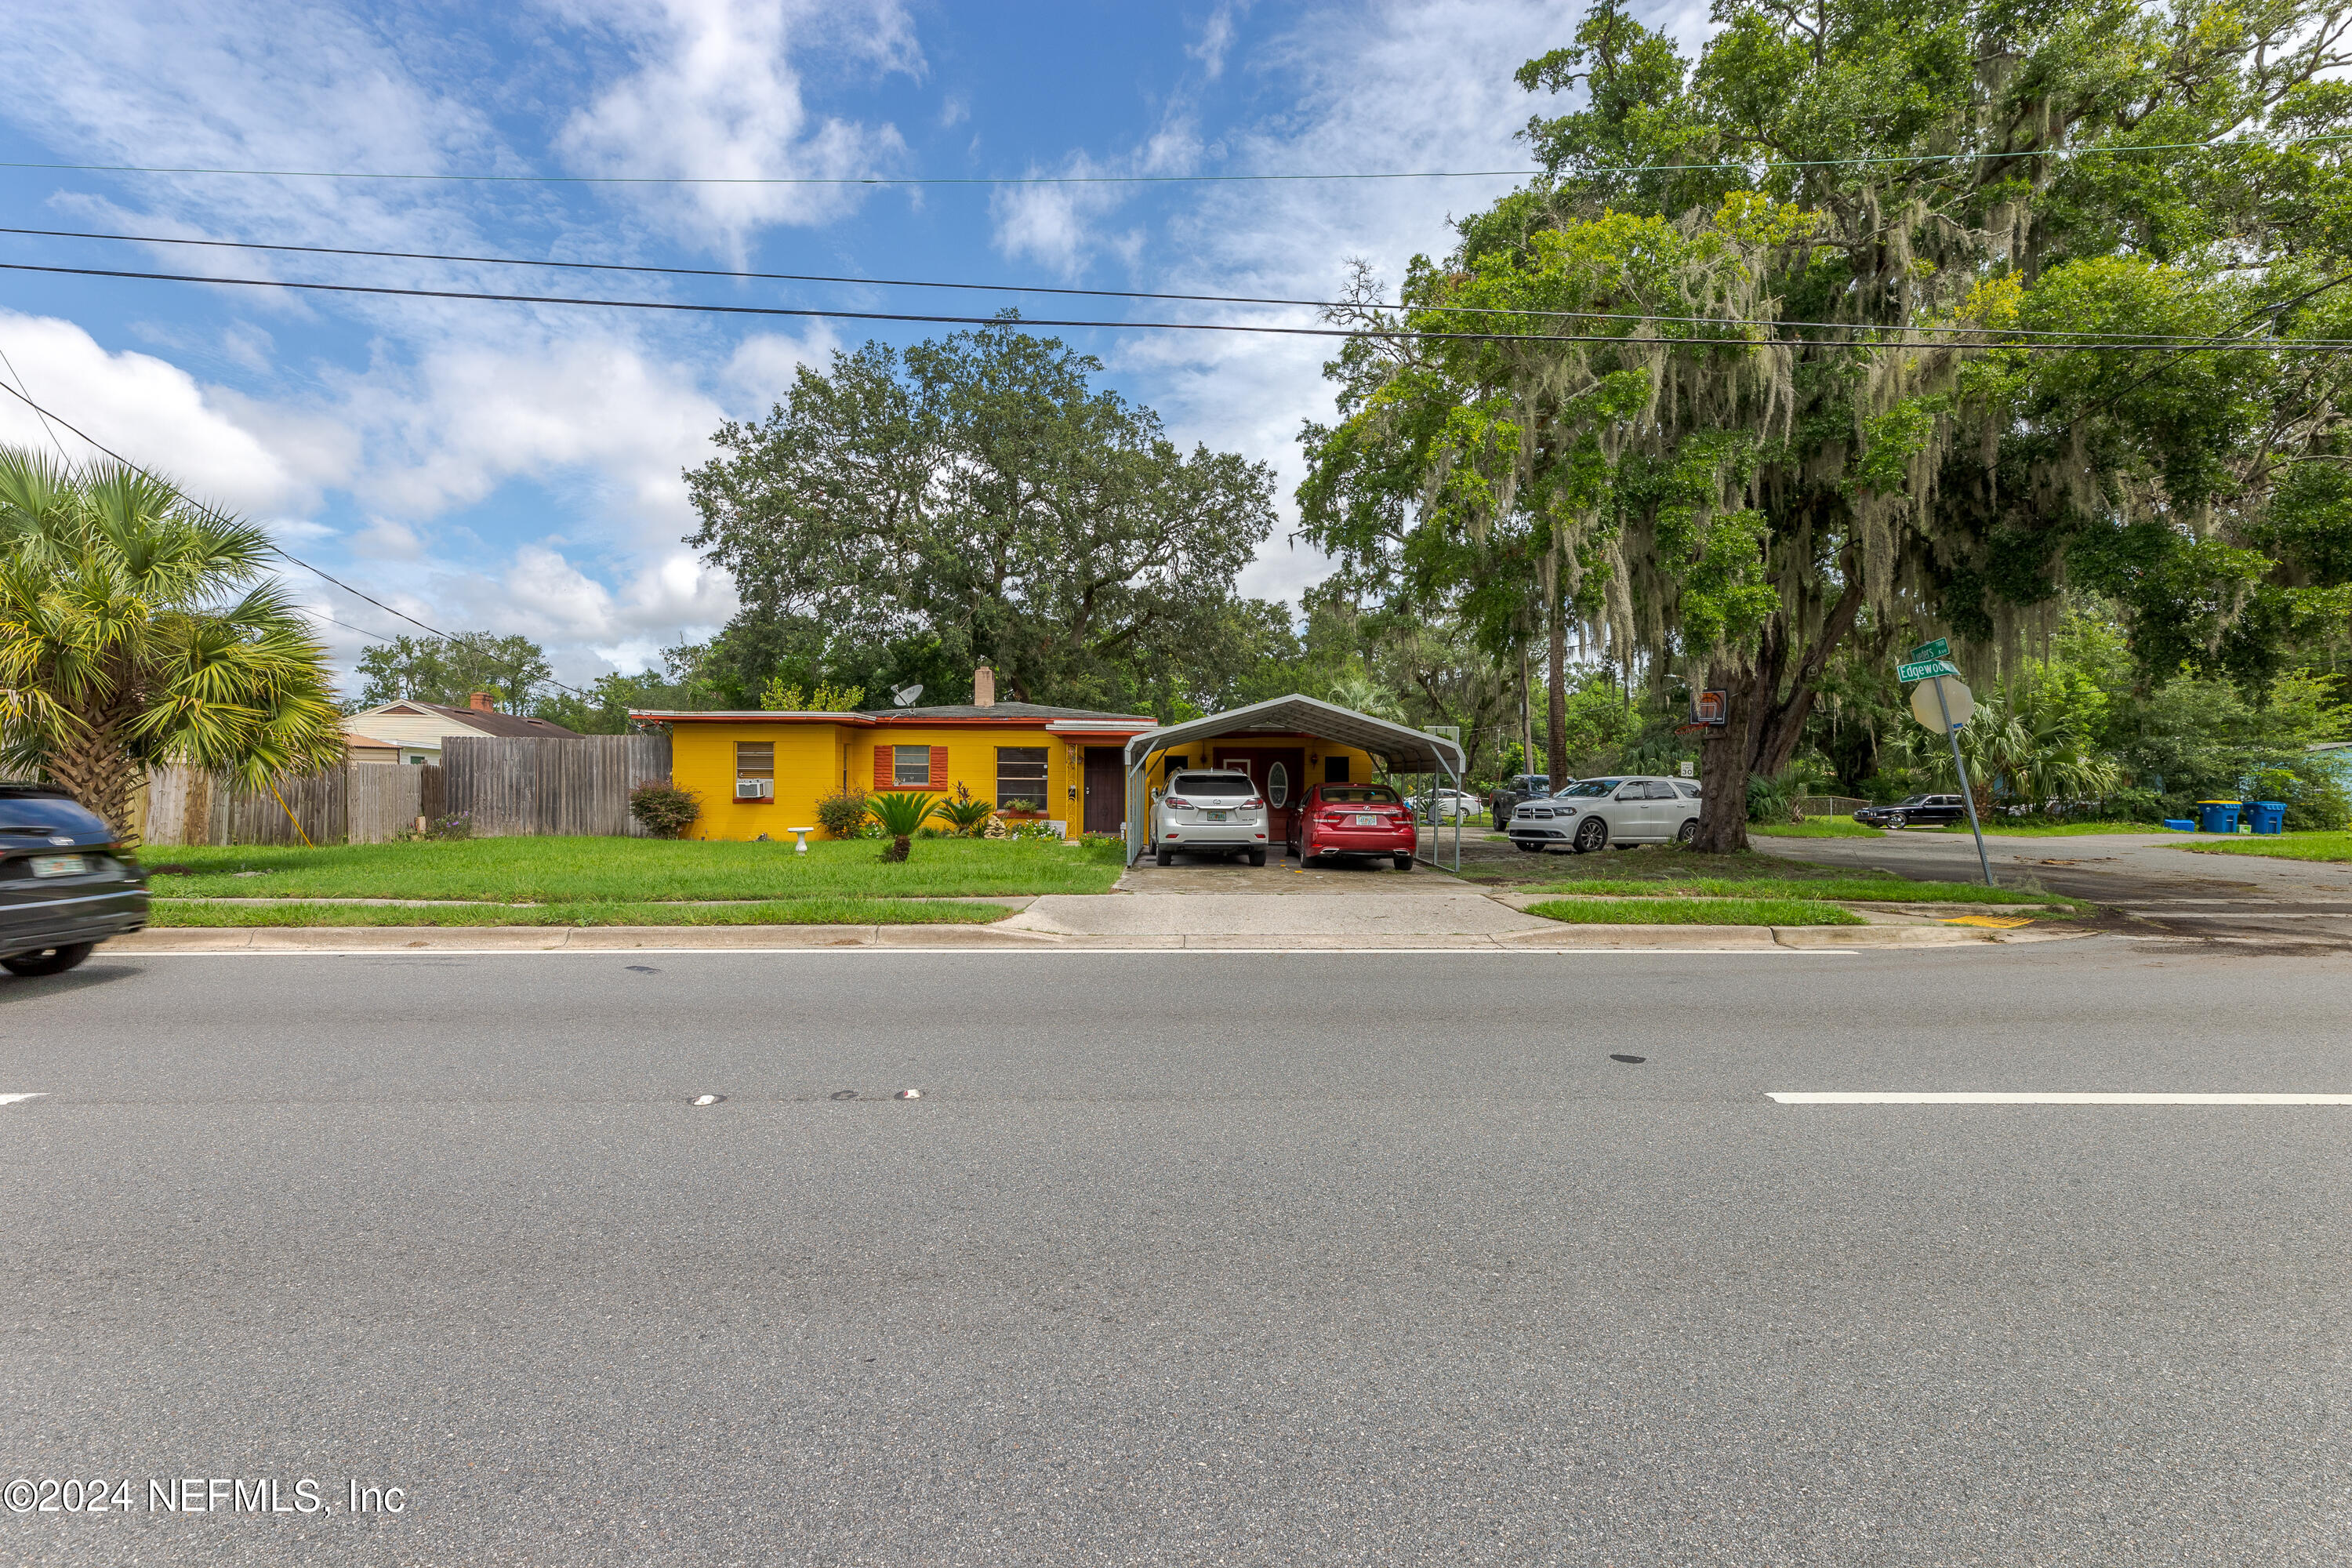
x=1277, y=785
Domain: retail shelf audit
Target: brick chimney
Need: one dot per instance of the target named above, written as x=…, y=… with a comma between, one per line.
x=481, y=703
x=983, y=688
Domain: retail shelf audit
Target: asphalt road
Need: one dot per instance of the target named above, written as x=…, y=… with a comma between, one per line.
x=1181, y=1258
x=2158, y=887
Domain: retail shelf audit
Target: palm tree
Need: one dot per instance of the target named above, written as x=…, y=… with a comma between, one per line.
x=902, y=816
x=134, y=630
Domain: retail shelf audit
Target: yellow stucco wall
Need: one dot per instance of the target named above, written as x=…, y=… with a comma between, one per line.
x=1204, y=754
x=815, y=759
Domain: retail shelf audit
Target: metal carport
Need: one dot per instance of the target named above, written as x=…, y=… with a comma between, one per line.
x=1400, y=748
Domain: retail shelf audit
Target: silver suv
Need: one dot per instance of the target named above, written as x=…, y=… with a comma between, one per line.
x=1592, y=814
x=1209, y=812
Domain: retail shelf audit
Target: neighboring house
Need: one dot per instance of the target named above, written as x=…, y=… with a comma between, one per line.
x=763, y=773
x=412, y=732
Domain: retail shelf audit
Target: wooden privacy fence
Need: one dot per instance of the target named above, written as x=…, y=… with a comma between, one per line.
x=190, y=806
x=530, y=784
x=507, y=787
x=365, y=803
x=387, y=797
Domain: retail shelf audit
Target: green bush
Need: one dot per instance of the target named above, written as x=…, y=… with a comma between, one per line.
x=842, y=813
x=665, y=810
x=1769, y=800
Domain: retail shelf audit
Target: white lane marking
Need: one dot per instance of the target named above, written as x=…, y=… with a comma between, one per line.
x=13, y=1099
x=1998, y=1097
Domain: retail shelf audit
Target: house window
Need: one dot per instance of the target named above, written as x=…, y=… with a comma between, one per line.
x=755, y=759
x=910, y=767
x=1335, y=770
x=1021, y=778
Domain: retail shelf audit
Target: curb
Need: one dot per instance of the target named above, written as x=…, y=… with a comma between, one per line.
x=398, y=941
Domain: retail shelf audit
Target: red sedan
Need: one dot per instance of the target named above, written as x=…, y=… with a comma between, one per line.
x=1338, y=819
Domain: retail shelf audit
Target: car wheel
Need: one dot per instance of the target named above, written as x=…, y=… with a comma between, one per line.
x=1688, y=831
x=1591, y=835
x=1166, y=857
x=1403, y=862
x=47, y=960
x=1895, y=821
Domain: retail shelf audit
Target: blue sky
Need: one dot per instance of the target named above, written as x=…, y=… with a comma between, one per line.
x=517, y=469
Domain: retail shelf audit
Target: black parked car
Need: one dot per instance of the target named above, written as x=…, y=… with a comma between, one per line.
x=63, y=887
x=1916, y=811
x=1506, y=797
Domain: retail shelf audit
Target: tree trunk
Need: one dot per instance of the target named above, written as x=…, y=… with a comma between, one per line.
x=897, y=852
x=95, y=770
x=1763, y=727
x=1723, y=769
x=1555, y=700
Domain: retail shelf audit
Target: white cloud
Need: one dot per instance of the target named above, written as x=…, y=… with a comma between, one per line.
x=716, y=93
x=1216, y=38
x=152, y=412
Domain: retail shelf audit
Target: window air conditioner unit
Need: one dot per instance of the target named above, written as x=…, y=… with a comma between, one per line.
x=755, y=789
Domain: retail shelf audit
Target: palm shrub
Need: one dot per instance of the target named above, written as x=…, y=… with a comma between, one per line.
x=902, y=814
x=967, y=815
x=137, y=628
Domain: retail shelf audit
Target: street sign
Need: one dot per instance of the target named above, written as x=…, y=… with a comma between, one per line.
x=1940, y=648
x=1943, y=703
x=1712, y=709
x=1958, y=704
x=1907, y=673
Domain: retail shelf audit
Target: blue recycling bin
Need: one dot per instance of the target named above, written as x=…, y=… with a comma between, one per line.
x=2217, y=815
x=2270, y=816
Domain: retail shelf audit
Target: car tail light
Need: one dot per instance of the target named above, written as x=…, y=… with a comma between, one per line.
x=1176, y=800
x=1252, y=804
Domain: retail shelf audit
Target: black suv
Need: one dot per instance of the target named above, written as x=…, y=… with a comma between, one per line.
x=63, y=887
x=1916, y=811
x=1506, y=797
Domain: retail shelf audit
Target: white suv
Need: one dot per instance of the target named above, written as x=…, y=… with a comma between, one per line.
x=1209, y=812
x=1595, y=813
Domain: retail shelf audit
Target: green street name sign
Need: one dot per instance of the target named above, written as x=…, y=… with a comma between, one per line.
x=1907, y=673
x=1940, y=648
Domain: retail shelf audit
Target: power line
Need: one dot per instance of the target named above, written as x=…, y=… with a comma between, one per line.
x=276, y=548
x=321, y=614
x=1262, y=329
x=1744, y=165
x=2028, y=332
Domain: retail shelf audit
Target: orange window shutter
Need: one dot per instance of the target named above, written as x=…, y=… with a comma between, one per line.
x=883, y=778
x=939, y=767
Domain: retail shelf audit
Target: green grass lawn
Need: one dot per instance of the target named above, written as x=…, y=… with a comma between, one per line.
x=1695, y=912
x=1872, y=890
x=2280, y=846
x=772, y=912
x=632, y=871
x=1813, y=828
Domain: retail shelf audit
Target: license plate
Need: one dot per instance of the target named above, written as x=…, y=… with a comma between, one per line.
x=1214, y=816
x=59, y=865
x=1368, y=821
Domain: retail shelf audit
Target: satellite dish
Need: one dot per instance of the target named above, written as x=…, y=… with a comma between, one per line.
x=905, y=695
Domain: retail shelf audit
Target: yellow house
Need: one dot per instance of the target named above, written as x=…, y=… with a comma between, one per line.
x=760, y=773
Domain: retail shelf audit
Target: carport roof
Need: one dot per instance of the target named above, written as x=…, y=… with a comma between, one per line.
x=1406, y=750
